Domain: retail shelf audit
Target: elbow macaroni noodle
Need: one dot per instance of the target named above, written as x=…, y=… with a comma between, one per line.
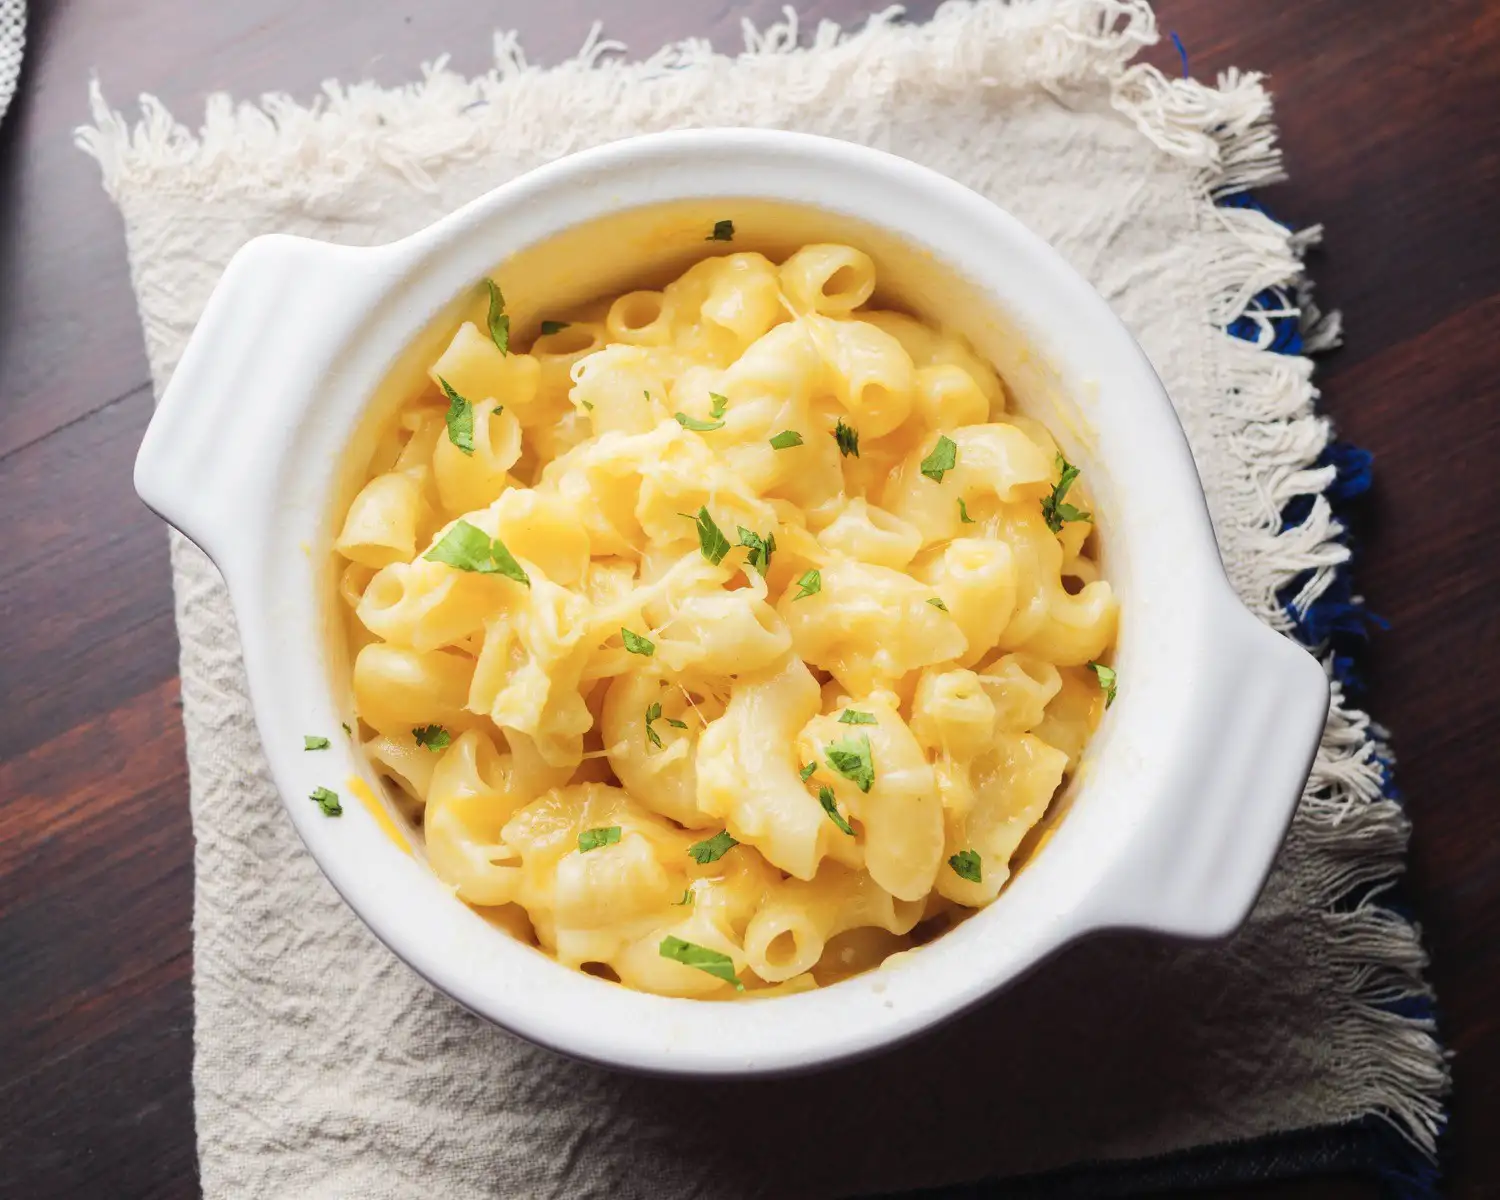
x=753, y=650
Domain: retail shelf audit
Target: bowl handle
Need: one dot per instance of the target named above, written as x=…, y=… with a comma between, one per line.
x=224, y=422
x=1197, y=867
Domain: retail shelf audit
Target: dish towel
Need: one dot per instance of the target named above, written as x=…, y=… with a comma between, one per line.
x=12, y=48
x=325, y=1068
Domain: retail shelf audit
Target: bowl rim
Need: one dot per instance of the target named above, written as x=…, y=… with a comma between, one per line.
x=1161, y=737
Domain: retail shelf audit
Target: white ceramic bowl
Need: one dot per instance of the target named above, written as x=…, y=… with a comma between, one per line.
x=1186, y=790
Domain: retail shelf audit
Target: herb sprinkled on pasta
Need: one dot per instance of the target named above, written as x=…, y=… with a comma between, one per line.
x=1054, y=511
x=966, y=865
x=593, y=839
x=690, y=954
x=1107, y=681
x=499, y=323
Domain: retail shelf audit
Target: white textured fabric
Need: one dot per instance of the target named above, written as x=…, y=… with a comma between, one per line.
x=12, y=47
x=324, y=1068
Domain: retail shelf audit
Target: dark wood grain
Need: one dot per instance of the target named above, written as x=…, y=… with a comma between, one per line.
x=1387, y=116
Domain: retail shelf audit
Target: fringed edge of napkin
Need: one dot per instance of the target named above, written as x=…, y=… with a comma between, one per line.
x=1285, y=545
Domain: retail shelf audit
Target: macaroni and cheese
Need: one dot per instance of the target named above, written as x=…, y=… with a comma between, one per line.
x=730, y=638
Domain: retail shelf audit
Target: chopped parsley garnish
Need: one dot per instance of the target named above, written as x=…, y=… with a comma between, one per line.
x=1054, y=511
x=852, y=716
x=328, y=801
x=965, y=865
x=434, y=737
x=714, y=848
x=653, y=713
x=761, y=548
x=499, y=323
x=937, y=602
x=687, y=898
x=636, y=644
x=344, y=725
x=466, y=547
x=309, y=742
x=811, y=584
x=711, y=539
x=852, y=758
x=460, y=418
x=963, y=513
x=696, y=425
x=1107, y=681
x=588, y=406
x=723, y=232
x=551, y=327
x=592, y=839
x=786, y=439
x=720, y=403
x=689, y=954
x=944, y=458
x=848, y=439
x=807, y=771
x=825, y=798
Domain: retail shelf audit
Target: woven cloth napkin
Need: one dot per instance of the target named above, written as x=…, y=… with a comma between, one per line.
x=12, y=48
x=324, y=1068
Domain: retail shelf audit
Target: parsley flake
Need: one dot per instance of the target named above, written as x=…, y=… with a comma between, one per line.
x=687, y=898
x=588, y=406
x=944, y=458
x=807, y=771
x=720, y=403
x=1054, y=511
x=636, y=644
x=848, y=439
x=592, y=839
x=965, y=865
x=689, y=954
x=696, y=425
x=1108, y=681
x=937, y=602
x=309, y=742
x=963, y=513
x=328, y=801
x=811, y=584
x=825, y=798
x=786, y=439
x=434, y=737
x=852, y=716
x=551, y=327
x=761, y=548
x=853, y=758
x=460, y=418
x=499, y=323
x=714, y=848
x=345, y=726
x=466, y=547
x=711, y=539
x=653, y=713
x=676, y=724
x=723, y=232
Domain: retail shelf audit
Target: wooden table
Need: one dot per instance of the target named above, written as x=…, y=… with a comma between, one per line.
x=1388, y=112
